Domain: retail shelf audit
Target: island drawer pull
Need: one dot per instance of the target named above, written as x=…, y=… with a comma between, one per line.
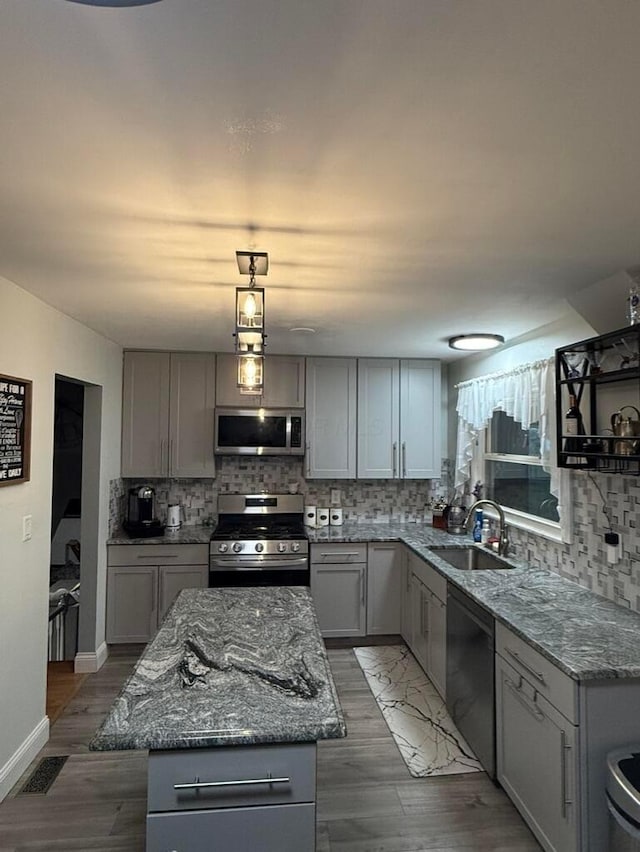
x=157, y=558
x=516, y=656
x=203, y=785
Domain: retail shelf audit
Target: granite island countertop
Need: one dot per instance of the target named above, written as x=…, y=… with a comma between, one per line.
x=232, y=666
x=583, y=634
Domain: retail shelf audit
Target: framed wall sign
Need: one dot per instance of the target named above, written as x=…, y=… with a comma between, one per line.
x=15, y=430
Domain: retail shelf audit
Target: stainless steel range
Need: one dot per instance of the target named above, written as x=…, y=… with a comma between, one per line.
x=260, y=540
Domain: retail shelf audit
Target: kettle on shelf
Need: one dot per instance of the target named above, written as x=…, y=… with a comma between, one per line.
x=625, y=427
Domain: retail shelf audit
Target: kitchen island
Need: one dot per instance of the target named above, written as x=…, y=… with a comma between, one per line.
x=230, y=698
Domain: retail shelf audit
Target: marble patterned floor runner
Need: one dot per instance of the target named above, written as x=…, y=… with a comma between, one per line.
x=416, y=715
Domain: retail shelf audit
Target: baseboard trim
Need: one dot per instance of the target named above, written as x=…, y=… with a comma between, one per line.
x=22, y=757
x=87, y=662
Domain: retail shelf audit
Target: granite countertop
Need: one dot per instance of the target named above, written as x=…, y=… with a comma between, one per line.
x=583, y=634
x=184, y=535
x=228, y=667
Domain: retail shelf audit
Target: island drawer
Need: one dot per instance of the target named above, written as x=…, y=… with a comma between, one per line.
x=338, y=553
x=157, y=554
x=288, y=828
x=229, y=769
x=556, y=686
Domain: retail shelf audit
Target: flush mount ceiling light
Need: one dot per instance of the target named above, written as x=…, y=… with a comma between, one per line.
x=250, y=329
x=476, y=342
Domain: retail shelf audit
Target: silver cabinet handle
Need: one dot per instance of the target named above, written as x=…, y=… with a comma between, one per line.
x=204, y=785
x=156, y=558
x=564, y=748
x=395, y=459
x=170, y=465
x=362, y=589
x=404, y=460
x=522, y=698
x=516, y=656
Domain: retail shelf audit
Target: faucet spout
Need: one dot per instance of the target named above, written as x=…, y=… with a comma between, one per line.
x=503, y=543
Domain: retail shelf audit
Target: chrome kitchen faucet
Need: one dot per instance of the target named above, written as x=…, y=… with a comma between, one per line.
x=503, y=543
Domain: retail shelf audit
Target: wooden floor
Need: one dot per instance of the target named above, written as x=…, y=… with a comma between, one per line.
x=62, y=685
x=367, y=801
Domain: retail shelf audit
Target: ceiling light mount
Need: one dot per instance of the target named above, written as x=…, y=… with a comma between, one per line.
x=475, y=342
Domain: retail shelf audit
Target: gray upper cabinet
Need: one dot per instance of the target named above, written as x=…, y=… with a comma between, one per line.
x=284, y=383
x=167, y=414
x=420, y=417
x=378, y=418
x=398, y=419
x=331, y=418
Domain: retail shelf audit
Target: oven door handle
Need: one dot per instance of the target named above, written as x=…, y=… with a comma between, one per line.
x=236, y=565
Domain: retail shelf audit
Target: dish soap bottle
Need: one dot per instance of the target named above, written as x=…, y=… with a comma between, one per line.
x=485, y=533
x=477, y=526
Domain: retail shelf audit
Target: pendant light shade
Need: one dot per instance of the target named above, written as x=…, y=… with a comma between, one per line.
x=250, y=329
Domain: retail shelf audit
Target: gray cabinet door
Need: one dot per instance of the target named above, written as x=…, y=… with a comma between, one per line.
x=284, y=379
x=192, y=401
x=383, y=589
x=378, y=418
x=132, y=603
x=338, y=593
x=420, y=417
x=288, y=828
x=406, y=598
x=437, y=651
x=419, y=621
x=536, y=759
x=173, y=578
x=331, y=418
x=145, y=414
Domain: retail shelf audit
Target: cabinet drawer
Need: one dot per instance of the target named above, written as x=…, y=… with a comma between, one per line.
x=547, y=679
x=230, y=768
x=158, y=554
x=434, y=581
x=288, y=828
x=338, y=553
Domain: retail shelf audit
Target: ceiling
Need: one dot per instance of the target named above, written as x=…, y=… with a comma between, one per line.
x=414, y=168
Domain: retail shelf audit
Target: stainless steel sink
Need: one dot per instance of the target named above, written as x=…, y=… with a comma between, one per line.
x=470, y=558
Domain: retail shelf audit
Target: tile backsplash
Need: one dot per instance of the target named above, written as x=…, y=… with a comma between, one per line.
x=362, y=500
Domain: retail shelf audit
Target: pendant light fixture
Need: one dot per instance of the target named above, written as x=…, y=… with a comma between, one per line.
x=250, y=329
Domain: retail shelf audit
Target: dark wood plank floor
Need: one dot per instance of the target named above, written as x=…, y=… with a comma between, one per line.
x=367, y=801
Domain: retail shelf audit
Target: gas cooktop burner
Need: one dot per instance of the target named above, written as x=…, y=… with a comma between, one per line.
x=228, y=530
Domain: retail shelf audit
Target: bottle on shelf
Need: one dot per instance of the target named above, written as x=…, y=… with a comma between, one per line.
x=573, y=431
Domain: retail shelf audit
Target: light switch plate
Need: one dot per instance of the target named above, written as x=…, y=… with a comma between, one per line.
x=26, y=527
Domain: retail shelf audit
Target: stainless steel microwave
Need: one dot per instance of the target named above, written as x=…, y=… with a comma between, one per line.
x=259, y=432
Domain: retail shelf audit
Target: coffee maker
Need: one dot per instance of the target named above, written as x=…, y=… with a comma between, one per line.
x=141, y=520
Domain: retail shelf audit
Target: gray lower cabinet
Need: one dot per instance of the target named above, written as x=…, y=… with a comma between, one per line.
x=142, y=583
x=424, y=593
x=339, y=588
x=536, y=755
x=232, y=799
x=384, y=603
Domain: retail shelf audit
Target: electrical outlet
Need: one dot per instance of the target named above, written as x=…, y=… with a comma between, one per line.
x=335, y=496
x=613, y=547
x=26, y=527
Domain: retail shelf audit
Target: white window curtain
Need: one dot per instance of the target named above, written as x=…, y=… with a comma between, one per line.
x=527, y=394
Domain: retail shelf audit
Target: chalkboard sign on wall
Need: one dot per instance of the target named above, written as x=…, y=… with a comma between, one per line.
x=15, y=430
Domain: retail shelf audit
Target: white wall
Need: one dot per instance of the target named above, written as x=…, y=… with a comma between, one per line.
x=36, y=343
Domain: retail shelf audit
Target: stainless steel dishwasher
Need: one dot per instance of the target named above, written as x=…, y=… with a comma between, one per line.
x=470, y=675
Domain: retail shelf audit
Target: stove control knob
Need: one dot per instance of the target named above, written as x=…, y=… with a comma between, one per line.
x=237, y=546
x=282, y=546
x=259, y=547
x=295, y=546
x=222, y=548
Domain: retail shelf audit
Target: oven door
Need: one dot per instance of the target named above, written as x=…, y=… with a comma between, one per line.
x=256, y=571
